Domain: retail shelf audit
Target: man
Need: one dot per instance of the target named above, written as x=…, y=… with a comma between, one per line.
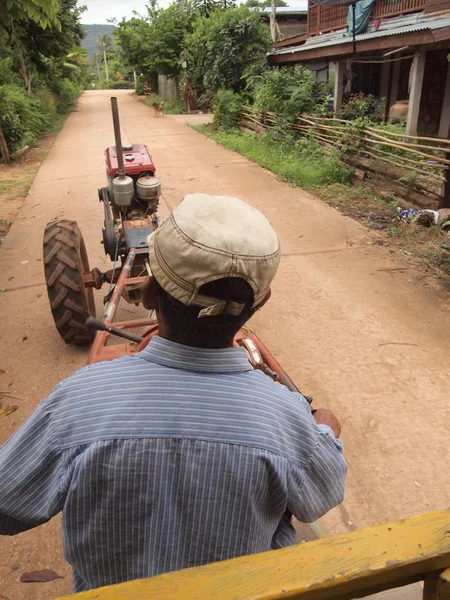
x=181, y=454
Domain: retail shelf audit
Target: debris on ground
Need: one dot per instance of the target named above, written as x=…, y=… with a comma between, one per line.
x=39, y=576
x=426, y=217
x=8, y=410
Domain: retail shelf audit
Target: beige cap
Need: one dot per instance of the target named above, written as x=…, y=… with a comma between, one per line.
x=212, y=237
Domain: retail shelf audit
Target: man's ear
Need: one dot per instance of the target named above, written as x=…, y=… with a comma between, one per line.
x=150, y=295
x=264, y=300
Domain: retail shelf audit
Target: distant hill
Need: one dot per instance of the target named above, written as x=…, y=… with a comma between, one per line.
x=92, y=33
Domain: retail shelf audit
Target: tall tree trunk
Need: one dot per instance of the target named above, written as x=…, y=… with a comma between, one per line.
x=275, y=33
x=4, y=148
x=25, y=73
x=106, y=63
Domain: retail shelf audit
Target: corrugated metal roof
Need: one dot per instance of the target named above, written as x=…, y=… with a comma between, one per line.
x=292, y=10
x=388, y=27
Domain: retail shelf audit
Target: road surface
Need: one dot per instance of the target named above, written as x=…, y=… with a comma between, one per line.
x=355, y=333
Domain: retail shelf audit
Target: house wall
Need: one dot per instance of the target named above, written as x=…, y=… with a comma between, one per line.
x=433, y=91
x=290, y=27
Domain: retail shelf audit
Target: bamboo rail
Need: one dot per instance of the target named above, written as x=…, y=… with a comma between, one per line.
x=428, y=156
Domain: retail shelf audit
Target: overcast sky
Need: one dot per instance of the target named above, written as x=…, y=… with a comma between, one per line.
x=99, y=11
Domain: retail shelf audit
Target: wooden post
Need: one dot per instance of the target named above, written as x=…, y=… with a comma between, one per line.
x=443, y=586
x=4, y=148
x=437, y=586
x=339, y=85
x=446, y=202
x=384, y=85
x=415, y=93
x=395, y=81
x=444, y=125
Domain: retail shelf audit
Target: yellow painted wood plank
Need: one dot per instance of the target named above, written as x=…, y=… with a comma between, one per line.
x=359, y=562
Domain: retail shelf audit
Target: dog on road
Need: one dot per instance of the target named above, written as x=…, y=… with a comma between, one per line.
x=158, y=108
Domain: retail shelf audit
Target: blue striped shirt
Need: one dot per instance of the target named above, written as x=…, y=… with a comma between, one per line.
x=171, y=458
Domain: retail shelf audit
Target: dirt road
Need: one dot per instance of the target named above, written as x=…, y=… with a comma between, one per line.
x=354, y=332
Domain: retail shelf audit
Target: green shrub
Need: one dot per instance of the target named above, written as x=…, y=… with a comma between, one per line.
x=139, y=86
x=47, y=106
x=362, y=106
x=20, y=116
x=7, y=72
x=66, y=92
x=120, y=85
x=289, y=93
x=227, y=109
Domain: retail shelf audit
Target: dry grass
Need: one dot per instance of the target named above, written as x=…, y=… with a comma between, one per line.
x=425, y=247
x=16, y=180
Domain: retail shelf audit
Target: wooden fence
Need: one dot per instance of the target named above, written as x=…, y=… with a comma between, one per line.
x=323, y=18
x=415, y=160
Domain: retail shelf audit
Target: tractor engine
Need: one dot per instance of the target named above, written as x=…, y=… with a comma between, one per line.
x=135, y=195
x=131, y=197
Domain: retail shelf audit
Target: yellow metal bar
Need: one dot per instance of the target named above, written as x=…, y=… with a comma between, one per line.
x=344, y=566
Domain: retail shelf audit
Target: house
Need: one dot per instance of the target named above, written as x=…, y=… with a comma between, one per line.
x=401, y=54
x=291, y=20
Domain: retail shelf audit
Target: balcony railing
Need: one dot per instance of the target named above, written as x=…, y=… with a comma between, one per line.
x=329, y=18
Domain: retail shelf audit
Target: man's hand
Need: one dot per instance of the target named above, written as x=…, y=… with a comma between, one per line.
x=326, y=417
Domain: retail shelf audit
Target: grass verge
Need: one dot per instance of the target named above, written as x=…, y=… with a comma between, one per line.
x=17, y=178
x=170, y=108
x=299, y=163
x=304, y=164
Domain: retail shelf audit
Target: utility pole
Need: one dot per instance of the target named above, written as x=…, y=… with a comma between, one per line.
x=106, y=62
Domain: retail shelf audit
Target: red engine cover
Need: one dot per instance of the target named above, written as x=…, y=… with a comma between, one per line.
x=137, y=160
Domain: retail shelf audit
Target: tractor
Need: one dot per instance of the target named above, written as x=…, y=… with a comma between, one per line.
x=130, y=204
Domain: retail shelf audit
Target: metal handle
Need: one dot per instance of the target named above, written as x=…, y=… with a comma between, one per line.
x=116, y=123
x=92, y=323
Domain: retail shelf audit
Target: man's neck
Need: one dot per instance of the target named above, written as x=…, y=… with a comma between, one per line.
x=186, y=341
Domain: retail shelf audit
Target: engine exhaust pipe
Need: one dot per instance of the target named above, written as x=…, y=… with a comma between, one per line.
x=117, y=136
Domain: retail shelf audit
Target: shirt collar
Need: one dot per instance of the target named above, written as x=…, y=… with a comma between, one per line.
x=202, y=360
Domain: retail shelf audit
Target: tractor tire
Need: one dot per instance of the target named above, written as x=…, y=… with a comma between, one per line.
x=65, y=261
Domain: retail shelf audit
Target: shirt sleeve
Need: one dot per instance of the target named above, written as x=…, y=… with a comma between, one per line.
x=318, y=486
x=30, y=475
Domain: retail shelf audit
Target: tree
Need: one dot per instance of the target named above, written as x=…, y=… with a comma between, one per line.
x=223, y=47
x=40, y=45
x=43, y=12
x=206, y=7
x=264, y=3
x=53, y=41
x=105, y=47
x=155, y=44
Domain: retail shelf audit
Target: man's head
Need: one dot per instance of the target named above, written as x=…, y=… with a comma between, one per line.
x=212, y=262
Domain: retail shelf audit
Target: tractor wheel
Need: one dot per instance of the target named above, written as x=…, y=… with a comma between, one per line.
x=65, y=261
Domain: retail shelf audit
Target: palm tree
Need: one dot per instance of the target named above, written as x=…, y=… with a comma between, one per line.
x=104, y=45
